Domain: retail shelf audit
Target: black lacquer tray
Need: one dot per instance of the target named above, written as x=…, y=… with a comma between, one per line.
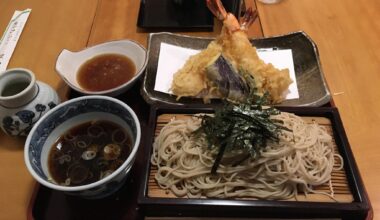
x=163, y=205
x=181, y=14
x=50, y=204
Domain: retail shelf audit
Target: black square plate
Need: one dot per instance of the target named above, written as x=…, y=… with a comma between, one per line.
x=311, y=83
x=182, y=14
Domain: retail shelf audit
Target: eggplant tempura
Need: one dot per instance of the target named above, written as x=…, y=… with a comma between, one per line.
x=230, y=67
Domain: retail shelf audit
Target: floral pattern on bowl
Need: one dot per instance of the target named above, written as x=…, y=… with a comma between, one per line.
x=12, y=125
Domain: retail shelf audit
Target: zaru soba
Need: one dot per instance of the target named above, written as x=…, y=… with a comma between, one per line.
x=268, y=154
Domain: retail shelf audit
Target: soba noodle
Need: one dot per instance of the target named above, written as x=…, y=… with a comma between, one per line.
x=302, y=159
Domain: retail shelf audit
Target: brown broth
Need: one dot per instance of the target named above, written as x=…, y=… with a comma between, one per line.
x=105, y=72
x=66, y=159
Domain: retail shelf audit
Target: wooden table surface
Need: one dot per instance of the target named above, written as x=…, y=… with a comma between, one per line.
x=347, y=35
x=346, y=32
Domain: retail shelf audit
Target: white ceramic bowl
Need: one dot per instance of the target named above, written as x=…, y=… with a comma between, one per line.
x=67, y=115
x=68, y=63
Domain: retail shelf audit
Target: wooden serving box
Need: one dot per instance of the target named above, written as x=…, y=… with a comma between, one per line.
x=352, y=201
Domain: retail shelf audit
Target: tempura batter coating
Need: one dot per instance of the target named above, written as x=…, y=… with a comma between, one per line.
x=235, y=46
x=191, y=79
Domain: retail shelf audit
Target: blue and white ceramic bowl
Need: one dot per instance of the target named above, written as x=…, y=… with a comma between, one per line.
x=70, y=114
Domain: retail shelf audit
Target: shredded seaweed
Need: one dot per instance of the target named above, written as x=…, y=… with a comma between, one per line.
x=245, y=126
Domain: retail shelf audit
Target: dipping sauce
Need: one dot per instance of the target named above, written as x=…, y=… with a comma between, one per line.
x=105, y=72
x=88, y=152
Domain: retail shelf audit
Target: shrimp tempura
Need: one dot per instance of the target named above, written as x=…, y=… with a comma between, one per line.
x=233, y=43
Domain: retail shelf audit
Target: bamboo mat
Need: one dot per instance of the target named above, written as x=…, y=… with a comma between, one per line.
x=339, y=182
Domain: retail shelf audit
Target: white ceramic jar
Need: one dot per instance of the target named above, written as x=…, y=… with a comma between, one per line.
x=23, y=100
